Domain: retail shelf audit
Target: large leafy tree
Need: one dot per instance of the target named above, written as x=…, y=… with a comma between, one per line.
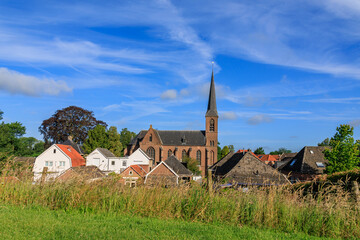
x=10, y=134
x=192, y=165
x=74, y=121
x=344, y=152
x=99, y=137
x=125, y=137
x=259, y=151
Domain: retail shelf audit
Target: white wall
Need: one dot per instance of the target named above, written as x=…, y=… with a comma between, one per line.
x=95, y=158
x=55, y=158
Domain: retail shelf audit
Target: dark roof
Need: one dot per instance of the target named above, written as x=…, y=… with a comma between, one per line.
x=177, y=166
x=212, y=110
x=305, y=161
x=85, y=172
x=76, y=146
x=287, y=156
x=107, y=153
x=175, y=138
x=245, y=168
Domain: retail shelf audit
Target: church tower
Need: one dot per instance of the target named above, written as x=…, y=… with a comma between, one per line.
x=211, y=132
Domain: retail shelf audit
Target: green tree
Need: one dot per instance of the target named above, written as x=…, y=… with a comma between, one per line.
x=125, y=137
x=1, y=113
x=225, y=151
x=344, y=152
x=231, y=148
x=280, y=151
x=9, y=137
x=219, y=153
x=326, y=142
x=114, y=143
x=74, y=121
x=192, y=165
x=97, y=138
x=30, y=147
x=259, y=151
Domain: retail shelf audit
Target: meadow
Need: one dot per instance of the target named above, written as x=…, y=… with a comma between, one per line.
x=331, y=212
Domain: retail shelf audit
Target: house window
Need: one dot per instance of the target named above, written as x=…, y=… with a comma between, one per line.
x=212, y=125
x=184, y=155
x=46, y=163
x=130, y=173
x=198, y=157
x=169, y=153
x=151, y=152
x=320, y=164
x=292, y=163
x=50, y=164
x=113, y=163
x=54, y=150
x=124, y=163
x=150, y=138
x=61, y=163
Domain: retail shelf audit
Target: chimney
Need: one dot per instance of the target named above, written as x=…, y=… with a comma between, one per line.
x=70, y=138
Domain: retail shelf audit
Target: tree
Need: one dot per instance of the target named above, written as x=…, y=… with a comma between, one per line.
x=231, y=148
x=74, y=121
x=259, y=151
x=280, y=151
x=125, y=137
x=97, y=138
x=326, y=142
x=9, y=137
x=115, y=145
x=30, y=147
x=192, y=165
x=344, y=151
x=225, y=151
x=1, y=113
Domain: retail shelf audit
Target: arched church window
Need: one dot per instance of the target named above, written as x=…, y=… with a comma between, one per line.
x=184, y=155
x=150, y=138
x=151, y=152
x=169, y=153
x=212, y=157
x=212, y=125
x=198, y=157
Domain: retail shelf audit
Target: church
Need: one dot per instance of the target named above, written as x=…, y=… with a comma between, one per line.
x=200, y=144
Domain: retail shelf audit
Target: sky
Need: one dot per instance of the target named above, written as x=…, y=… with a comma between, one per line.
x=287, y=73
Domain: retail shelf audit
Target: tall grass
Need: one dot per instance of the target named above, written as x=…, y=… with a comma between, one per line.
x=330, y=212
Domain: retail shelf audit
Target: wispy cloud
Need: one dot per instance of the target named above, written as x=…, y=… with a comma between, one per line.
x=258, y=119
x=169, y=94
x=228, y=115
x=18, y=83
x=350, y=100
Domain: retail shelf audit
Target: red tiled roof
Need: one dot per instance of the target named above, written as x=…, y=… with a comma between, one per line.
x=244, y=151
x=139, y=170
x=76, y=158
x=268, y=157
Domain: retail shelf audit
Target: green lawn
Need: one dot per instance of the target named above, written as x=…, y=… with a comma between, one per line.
x=39, y=223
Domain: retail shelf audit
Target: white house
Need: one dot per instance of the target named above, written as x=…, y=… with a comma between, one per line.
x=55, y=160
x=107, y=162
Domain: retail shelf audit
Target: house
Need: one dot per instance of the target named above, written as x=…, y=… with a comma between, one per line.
x=244, y=168
x=134, y=175
x=200, y=145
x=55, y=160
x=309, y=163
x=81, y=173
x=269, y=159
x=76, y=146
x=168, y=173
x=107, y=162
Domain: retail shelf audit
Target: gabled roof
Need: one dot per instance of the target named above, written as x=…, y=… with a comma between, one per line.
x=105, y=152
x=85, y=172
x=268, y=157
x=177, y=166
x=138, y=169
x=306, y=161
x=175, y=138
x=211, y=109
x=245, y=168
x=76, y=158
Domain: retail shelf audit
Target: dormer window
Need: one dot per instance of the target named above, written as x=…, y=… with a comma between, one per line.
x=150, y=138
x=212, y=125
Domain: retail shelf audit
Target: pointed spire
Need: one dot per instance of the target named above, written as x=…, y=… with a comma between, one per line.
x=212, y=110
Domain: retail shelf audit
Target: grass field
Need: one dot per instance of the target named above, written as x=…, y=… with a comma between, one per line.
x=40, y=223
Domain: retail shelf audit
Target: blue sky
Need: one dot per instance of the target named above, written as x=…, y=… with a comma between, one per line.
x=287, y=73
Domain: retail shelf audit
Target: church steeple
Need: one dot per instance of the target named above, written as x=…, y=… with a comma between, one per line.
x=211, y=109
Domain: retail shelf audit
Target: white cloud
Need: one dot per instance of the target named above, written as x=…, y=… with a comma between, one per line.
x=228, y=115
x=169, y=94
x=258, y=119
x=355, y=123
x=18, y=83
x=349, y=100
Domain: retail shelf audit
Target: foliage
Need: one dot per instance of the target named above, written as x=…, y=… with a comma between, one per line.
x=125, y=137
x=9, y=137
x=99, y=137
x=326, y=142
x=1, y=113
x=231, y=148
x=280, y=151
x=259, y=151
x=331, y=213
x=344, y=152
x=30, y=147
x=71, y=121
x=192, y=165
x=225, y=151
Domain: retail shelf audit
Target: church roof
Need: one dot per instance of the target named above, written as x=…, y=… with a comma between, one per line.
x=212, y=109
x=175, y=138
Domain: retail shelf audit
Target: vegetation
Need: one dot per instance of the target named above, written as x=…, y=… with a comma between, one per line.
x=344, y=152
x=224, y=151
x=326, y=142
x=192, y=165
x=259, y=151
x=126, y=136
x=34, y=223
x=280, y=151
x=71, y=121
